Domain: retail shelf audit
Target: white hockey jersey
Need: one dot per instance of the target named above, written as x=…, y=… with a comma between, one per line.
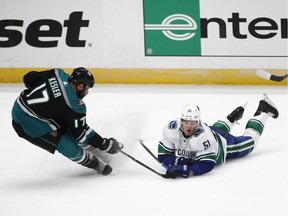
x=204, y=144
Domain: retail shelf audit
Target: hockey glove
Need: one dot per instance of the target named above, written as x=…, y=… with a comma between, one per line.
x=178, y=170
x=111, y=146
x=183, y=161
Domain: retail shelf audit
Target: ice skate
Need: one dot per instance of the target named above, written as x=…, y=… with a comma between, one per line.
x=103, y=168
x=103, y=156
x=236, y=114
x=267, y=106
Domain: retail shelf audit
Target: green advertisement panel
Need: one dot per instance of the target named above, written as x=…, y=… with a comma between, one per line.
x=172, y=27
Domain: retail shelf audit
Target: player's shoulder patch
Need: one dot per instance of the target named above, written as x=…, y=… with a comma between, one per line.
x=198, y=132
x=172, y=125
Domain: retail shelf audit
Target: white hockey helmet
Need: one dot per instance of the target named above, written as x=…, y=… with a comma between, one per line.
x=191, y=113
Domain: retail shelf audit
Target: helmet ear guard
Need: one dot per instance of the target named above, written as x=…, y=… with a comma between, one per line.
x=191, y=113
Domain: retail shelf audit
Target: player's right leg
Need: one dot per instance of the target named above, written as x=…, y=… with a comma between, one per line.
x=67, y=146
x=267, y=106
x=227, y=124
x=70, y=149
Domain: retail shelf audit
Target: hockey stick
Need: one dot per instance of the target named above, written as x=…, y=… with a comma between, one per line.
x=168, y=175
x=148, y=150
x=268, y=76
x=151, y=153
x=144, y=165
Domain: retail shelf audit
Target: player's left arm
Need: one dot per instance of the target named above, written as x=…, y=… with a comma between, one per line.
x=166, y=147
x=166, y=154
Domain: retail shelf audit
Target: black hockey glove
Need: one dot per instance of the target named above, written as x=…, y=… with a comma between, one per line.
x=178, y=170
x=111, y=146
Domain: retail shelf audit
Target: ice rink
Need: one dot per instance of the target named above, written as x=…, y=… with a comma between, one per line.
x=33, y=182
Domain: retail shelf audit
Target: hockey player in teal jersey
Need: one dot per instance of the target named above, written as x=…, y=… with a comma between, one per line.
x=51, y=114
x=190, y=147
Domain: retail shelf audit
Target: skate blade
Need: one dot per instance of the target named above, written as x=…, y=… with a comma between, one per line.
x=269, y=101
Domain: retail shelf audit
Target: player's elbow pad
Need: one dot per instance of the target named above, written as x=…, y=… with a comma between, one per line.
x=202, y=167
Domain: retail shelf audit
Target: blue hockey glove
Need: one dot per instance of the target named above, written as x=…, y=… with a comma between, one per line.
x=171, y=160
x=184, y=161
x=178, y=170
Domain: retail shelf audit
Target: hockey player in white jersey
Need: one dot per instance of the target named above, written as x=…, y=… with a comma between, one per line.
x=190, y=147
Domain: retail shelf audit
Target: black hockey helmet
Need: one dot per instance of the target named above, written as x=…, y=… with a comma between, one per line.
x=81, y=75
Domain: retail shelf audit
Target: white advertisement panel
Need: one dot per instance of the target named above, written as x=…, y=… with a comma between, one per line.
x=38, y=33
x=126, y=34
x=253, y=28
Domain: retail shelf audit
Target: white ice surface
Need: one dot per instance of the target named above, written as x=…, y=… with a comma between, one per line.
x=33, y=182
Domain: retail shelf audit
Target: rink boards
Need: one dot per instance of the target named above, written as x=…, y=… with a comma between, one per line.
x=161, y=76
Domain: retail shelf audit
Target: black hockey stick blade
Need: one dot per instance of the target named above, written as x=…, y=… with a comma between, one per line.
x=278, y=78
x=144, y=165
x=167, y=175
x=268, y=76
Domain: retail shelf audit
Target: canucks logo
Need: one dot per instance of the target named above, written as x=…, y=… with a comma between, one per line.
x=173, y=125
